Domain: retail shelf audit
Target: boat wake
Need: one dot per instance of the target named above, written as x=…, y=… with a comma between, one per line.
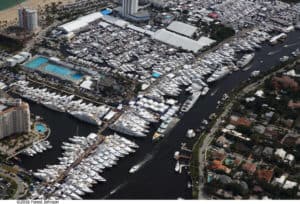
x=292, y=45
x=115, y=190
x=274, y=52
x=142, y=163
x=214, y=92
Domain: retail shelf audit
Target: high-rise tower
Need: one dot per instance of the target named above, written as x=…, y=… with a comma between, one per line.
x=129, y=7
x=28, y=19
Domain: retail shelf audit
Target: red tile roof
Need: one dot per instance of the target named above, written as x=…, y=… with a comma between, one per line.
x=217, y=165
x=264, y=175
x=284, y=83
x=240, y=121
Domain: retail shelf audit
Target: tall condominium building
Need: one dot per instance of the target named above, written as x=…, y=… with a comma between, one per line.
x=28, y=19
x=129, y=7
x=14, y=117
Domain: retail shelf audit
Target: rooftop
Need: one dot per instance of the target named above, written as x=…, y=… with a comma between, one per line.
x=217, y=165
x=240, y=121
x=249, y=167
x=265, y=175
x=80, y=23
x=182, y=28
x=179, y=41
x=285, y=82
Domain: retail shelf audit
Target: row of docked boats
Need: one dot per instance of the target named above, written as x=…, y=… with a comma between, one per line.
x=196, y=78
x=37, y=147
x=89, y=113
x=144, y=111
x=81, y=170
x=131, y=124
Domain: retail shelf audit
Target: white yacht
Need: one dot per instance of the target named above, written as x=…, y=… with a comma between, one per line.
x=86, y=117
x=135, y=168
x=245, y=60
x=190, y=102
x=54, y=107
x=219, y=74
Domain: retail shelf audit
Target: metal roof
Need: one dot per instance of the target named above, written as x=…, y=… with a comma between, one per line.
x=182, y=28
x=180, y=41
x=80, y=22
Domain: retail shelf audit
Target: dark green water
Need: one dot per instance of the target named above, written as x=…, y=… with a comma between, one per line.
x=4, y=4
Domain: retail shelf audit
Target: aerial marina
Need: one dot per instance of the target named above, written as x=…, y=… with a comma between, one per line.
x=127, y=89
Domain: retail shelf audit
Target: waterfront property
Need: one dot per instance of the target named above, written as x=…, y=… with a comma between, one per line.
x=257, y=139
x=55, y=67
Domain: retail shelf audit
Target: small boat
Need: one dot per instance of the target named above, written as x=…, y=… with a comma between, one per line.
x=284, y=58
x=134, y=169
x=177, y=167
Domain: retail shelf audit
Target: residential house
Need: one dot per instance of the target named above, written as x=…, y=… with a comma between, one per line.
x=249, y=167
x=217, y=165
x=268, y=152
x=240, y=121
x=284, y=82
x=264, y=175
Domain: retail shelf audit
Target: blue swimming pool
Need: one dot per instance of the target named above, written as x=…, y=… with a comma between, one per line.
x=106, y=12
x=156, y=75
x=40, y=128
x=77, y=76
x=36, y=63
x=59, y=70
x=44, y=65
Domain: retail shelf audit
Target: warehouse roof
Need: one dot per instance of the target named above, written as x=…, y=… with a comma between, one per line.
x=80, y=22
x=182, y=28
x=180, y=41
x=115, y=21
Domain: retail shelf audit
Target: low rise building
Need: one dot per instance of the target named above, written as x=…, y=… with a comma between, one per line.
x=290, y=185
x=280, y=153
x=285, y=82
x=240, y=121
x=217, y=165
x=280, y=180
x=265, y=175
x=249, y=167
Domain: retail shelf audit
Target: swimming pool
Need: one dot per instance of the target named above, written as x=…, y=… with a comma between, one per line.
x=106, y=12
x=77, y=76
x=36, y=63
x=44, y=65
x=59, y=70
x=40, y=128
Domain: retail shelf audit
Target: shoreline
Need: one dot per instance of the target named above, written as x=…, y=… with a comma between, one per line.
x=9, y=16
